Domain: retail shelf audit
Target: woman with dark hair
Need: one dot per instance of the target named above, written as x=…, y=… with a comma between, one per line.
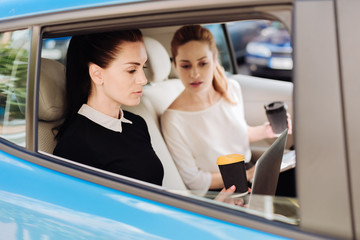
x=103, y=72
x=207, y=119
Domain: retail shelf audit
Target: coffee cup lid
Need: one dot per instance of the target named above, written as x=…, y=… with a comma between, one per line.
x=230, y=158
x=274, y=105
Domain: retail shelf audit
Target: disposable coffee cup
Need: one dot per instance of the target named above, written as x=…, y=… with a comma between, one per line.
x=276, y=114
x=232, y=169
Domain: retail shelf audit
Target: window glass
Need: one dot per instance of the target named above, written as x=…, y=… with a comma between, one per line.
x=14, y=54
x=282, y=207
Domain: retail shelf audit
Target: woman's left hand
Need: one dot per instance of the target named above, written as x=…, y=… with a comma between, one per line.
x=269, y=131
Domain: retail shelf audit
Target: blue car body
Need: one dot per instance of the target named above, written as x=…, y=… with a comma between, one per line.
x=22, y=8
x=39, y=203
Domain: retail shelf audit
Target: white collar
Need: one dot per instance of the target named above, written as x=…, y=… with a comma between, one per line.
x=103, y=119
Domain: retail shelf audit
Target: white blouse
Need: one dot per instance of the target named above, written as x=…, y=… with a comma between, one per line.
x=197, y=138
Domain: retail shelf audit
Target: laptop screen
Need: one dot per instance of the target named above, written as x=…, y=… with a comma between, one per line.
x=267, y=168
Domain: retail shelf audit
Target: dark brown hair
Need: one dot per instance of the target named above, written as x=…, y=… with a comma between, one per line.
x=100, y=49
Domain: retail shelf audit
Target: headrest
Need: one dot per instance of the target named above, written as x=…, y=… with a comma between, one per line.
x=158, y=65
x=52, y=90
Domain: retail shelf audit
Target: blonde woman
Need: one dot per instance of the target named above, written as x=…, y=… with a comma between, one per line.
x=207, y=119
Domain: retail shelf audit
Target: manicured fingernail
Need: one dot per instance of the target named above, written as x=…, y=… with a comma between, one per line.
x=232, y=187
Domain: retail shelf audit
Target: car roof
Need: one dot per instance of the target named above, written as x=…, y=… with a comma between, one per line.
x=16, y=14
x=21, y=8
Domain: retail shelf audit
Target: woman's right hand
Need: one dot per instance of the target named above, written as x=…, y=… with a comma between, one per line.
x=225, y=196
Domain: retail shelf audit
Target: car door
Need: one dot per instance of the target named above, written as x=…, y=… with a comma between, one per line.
x=80, y=201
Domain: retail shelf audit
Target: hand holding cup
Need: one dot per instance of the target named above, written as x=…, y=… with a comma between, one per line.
x=232, y=169
x=278, y=117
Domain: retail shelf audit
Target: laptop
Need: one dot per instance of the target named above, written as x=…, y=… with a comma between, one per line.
x=267, y=168
x=266, y=176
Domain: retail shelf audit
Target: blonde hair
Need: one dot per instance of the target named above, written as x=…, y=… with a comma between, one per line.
x=198, y=33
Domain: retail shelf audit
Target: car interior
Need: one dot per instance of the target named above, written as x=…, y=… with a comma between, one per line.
x=162, y=89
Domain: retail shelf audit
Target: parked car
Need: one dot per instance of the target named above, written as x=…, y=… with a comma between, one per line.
x=55, y=48
x=270, y=54
x=243, y=32
x=43, y=196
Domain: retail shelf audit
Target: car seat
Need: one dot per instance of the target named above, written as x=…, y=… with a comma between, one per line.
x=51, y=102
x=161, y=91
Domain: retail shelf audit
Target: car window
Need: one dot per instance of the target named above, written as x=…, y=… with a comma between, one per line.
x=261, y=91
x=14, y=54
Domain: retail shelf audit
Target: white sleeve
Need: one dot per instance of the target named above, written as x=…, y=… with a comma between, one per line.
x=193, y=177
